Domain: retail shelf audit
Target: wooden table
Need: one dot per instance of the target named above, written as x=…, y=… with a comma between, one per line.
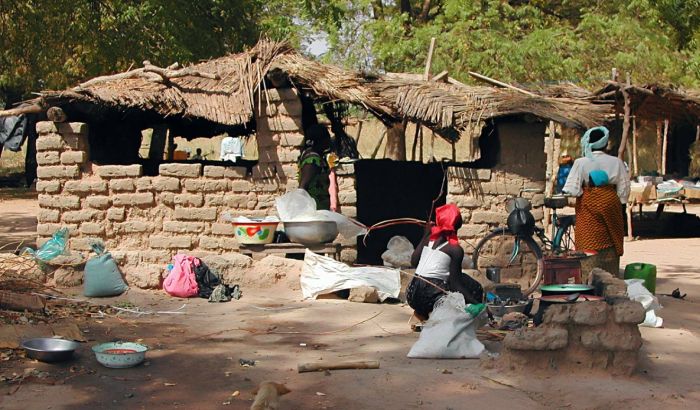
x=258, y=252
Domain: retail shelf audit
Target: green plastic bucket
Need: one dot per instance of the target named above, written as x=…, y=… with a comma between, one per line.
x=644, y=271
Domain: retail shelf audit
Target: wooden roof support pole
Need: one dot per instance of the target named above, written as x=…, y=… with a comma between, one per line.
x=415, y=142
x=635, y=166
x=659, y=143
x=697, y=134
x=429, y=61
x=549, y=170
x=665, y=147
x=625, y=125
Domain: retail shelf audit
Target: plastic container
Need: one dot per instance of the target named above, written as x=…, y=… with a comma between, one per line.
x=120, y=355
x=255, y=233
x=644, y=271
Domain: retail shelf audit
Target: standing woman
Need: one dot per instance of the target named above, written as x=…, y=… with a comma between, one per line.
x=601, y=184
x=439, y=259
x=313, y=168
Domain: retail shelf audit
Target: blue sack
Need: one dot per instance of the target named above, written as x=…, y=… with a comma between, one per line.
x=102, y=276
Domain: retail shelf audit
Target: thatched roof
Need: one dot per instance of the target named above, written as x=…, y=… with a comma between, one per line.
x=654, y=102
x=224, y=92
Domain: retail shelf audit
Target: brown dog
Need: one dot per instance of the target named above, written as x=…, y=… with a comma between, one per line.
x=267, y=396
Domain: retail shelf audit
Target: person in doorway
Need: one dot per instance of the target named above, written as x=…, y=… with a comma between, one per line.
x=601, y=185
x=438, y=258
x=197, y=155
x=313, y=168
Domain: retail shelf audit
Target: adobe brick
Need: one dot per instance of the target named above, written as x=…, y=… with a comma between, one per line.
x=48, y=186
x=195, y=214
x=47, y=158
x=204, y=185
x=170, y=242
x=180, y=170
x=166, y=184
x=51, y=142
x=59, y=201
x=116, y=214
x=137, y=199
x=48, y=215
x=86, y=186
x=122, y=185
x=183, y=227
x=189, y=199
x=98, y=201
x=58, y=172
x=119, y=171
x=73, y=157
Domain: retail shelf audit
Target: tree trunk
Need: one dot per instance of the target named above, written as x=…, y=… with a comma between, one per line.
x=425, y=11
x=396, y=142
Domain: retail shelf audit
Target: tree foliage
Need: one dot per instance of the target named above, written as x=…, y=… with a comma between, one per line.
x=55, y=44
x=523, y=41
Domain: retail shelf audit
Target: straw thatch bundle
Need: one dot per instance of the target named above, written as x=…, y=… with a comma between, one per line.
x=226, y=91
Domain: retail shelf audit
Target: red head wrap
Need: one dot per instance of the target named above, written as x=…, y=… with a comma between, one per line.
x=446, y=218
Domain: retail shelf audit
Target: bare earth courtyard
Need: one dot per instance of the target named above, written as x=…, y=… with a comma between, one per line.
x=194, y=358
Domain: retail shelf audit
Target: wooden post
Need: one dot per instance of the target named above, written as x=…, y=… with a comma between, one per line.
x=697, y=133
x=625, y=125
x=659, y=143
x=665, y=147
x=429, y=61
x=549, y=170
x=614, y=74
x=379, y=144
x=171, y=146
x=420, y=146
x=635, y=165
x=431, y=157
x=396, y=141
x=415, y=142
x=628, y=211
x=157, y=147
x=359, y=132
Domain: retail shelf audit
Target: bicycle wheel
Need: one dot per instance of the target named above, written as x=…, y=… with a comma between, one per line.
x=564, y=235
x=520, y=259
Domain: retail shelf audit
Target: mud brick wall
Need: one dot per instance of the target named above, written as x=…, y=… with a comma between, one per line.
x=600, y=335
x=145, y=220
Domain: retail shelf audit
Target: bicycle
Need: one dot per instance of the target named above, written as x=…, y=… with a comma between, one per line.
x=501, y=248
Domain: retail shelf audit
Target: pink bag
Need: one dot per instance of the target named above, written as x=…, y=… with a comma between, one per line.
x=181, y=281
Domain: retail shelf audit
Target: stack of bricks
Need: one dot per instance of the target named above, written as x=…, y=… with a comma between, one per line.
x=600, y=335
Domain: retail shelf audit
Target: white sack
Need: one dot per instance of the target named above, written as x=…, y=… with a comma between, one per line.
x=398, y=252
x=296, y=205
x=637, y=292
x=321, y=275
x=450, y=332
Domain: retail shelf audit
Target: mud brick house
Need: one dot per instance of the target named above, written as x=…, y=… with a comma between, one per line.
x=92, y=180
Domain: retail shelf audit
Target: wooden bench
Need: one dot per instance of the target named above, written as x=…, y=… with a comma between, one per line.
x=258, y=252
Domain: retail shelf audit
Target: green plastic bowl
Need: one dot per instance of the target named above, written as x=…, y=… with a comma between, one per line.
x=120, y=355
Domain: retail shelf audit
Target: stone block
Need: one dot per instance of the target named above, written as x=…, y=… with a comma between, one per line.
x=47, y=158
x=222, y=229
x=58, y=172
x=217, y=242
x=539, y=338
x=287, y=154
x=590, y=313
x=85, y=215
x=235, y=172
x=612, y=338
x=214, y=200
x=48, y=215
x=144, y=275
x=119, y=171
x=116, y=214
x=241, y=186
x=170, y=242
x=347, y=197
x=92, y=228
x=559, y=314
x=73, y=157
x=211, y=171
x=236, y=201
x=629, y=311
x=48, y=186
x=189, y=200
x=94, y=186
x=205, y=185
x=161, y=184
x=137, y=199
x=51, y=142
x=180, y=170
x=183, y=227
x=132, y=227
x=472, y=231
x=59, y=201
x=466, y=201
x=167, y=199
x=83, y=243
x=345, y=169
x=48, y=229
x=68, y=276
x=349, y=211
x=348, y=255
x=46, y=127
x=156, y=256
x=122, y=185
x=231, y=266
x=291, y=139
x=363, y=294
x=488, y=217
x=144, y=184
x=195, y=214
x=72, y=128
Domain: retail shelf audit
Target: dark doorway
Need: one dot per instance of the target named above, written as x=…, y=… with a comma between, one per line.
x=680, y=137
x=391, y=189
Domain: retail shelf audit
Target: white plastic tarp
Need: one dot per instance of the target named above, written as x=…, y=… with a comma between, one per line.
x=321, y=275
x=450, y=332
x=636, y=291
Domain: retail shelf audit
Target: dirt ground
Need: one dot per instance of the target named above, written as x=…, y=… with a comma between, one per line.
x=194, y=358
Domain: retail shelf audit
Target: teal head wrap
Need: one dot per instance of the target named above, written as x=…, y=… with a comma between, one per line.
x=587, y=146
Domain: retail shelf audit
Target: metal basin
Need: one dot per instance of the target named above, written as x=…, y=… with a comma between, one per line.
x=311, y=232
x=120, y=355
x=502, y=310
x=49, y=350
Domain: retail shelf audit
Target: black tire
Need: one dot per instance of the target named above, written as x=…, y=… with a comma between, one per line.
x=566, y=234
x=534, y=249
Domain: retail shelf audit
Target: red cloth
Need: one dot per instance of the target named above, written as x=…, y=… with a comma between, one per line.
x=446, y=217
